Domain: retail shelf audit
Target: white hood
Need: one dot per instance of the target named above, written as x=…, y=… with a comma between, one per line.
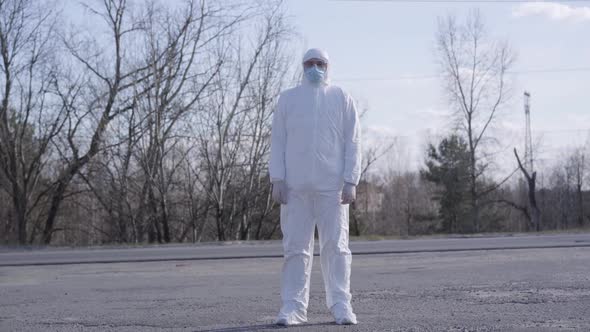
x=316, y=53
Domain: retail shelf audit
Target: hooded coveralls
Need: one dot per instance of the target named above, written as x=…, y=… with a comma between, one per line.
x=315, y=148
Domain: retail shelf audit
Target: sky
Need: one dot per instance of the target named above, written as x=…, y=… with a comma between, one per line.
x=383, y=53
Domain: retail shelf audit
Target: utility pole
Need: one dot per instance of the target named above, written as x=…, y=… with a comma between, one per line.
x=534, y=216
x=528, y=140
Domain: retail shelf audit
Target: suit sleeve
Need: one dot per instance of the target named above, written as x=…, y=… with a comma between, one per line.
x=352, y=142
x=278, y=140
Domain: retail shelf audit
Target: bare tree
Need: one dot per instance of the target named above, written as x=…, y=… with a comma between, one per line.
x=111, y=179
x=362, y=209
x=534, y=216
x=177, y=85
x=255, y=203
x=148, y=171
x=105, y=88
x=474, y=70
x=576, y=168
x=29, y=119
x=230, y=147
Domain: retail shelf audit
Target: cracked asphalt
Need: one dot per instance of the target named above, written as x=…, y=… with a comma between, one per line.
x=543, y=289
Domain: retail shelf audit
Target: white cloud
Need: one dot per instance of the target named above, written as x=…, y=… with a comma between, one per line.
x=552, y=10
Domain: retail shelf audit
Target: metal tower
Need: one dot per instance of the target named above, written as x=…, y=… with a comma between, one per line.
x=528, y=143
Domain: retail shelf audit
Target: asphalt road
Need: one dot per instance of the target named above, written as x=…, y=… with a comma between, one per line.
x=273, y=249
x=530, y=289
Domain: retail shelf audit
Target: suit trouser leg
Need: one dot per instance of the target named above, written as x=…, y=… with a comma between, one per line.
x=335, y=256
x=297, y=226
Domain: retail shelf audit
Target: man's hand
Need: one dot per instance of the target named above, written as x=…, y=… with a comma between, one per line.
x=279, y=192
x=348, y=193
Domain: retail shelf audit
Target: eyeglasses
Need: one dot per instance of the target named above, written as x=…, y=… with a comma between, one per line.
x=318, y=63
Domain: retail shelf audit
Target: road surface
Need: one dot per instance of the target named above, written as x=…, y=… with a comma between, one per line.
x=273, y=249
x=435, y=285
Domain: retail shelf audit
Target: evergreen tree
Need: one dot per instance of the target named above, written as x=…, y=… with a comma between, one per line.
x=448, y=168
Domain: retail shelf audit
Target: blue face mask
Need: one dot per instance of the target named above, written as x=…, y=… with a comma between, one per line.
x=314, y=74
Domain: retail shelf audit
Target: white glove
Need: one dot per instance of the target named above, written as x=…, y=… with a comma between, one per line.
x=279, y=192
x=348, y=193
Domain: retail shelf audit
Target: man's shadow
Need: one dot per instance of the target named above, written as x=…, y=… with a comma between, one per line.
x=265, y=327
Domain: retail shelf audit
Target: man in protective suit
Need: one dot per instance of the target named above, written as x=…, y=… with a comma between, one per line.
x=315, y=166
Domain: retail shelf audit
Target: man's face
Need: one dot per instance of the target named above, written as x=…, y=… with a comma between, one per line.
x=315, y=62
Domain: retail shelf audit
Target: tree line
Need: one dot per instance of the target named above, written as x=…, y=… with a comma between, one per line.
x=150, y=123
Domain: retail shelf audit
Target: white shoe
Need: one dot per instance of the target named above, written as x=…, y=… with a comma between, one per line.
x=282, y=321
x=343, y=314
x=291, y=317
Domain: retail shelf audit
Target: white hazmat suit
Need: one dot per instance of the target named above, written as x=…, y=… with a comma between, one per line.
x=315, y=153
